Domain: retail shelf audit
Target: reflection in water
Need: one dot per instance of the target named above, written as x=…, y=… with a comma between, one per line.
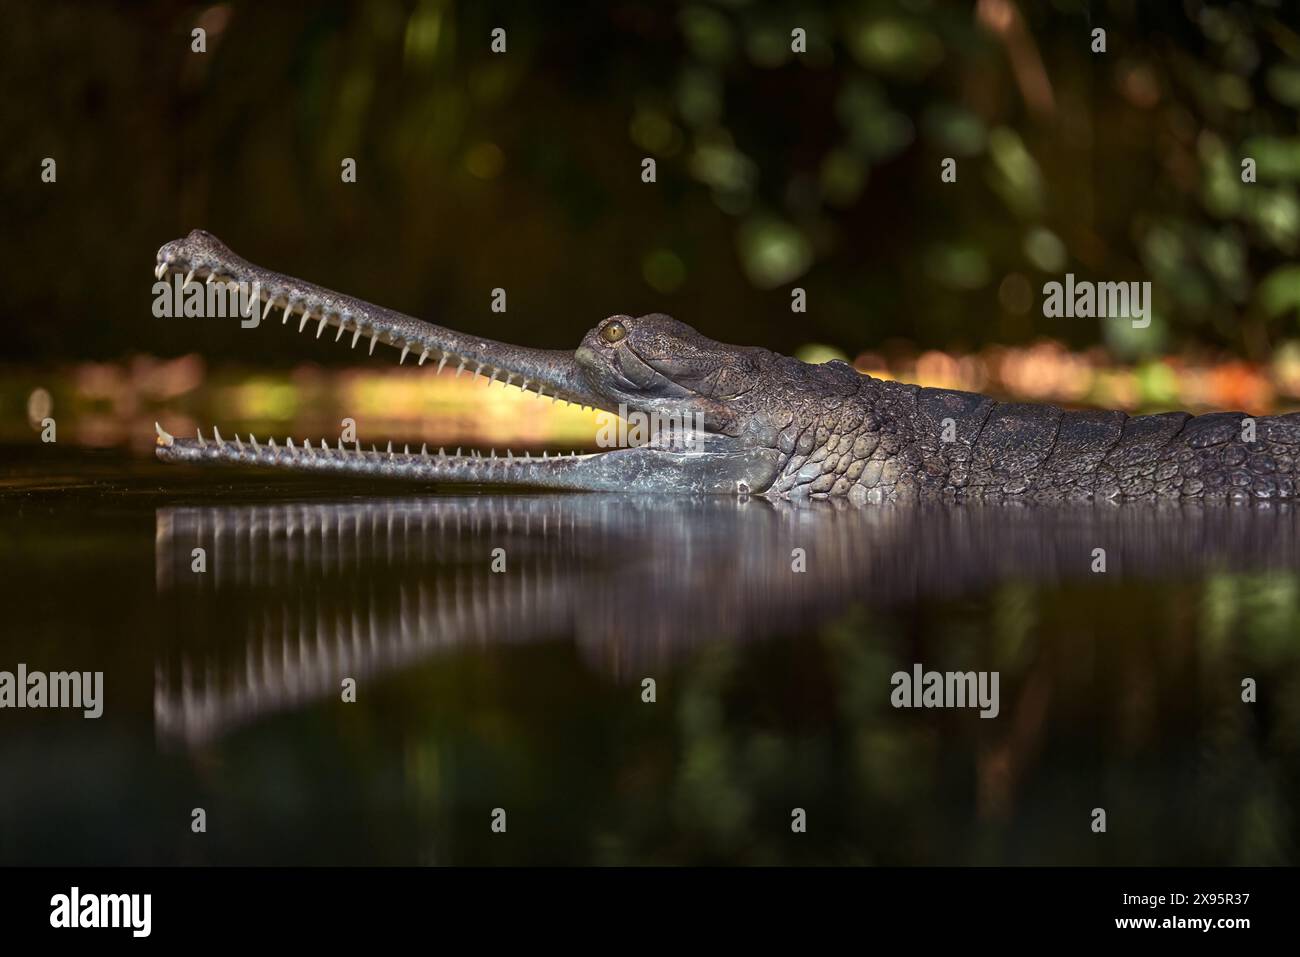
x=298, y=596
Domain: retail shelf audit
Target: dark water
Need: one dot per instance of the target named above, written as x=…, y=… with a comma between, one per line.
x=522, y=689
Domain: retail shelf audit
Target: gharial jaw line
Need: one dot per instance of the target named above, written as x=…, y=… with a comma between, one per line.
x=441, y=466
x=638, y=469
x=550, y=373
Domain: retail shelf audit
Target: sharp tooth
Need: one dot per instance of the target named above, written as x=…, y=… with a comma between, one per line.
x=217, y=436
x=442, y=452
x=527, y=456
x=424, y=451
x=253, y=438
x=509, y=377
x=423, y=355
x=406, y=450
x=273, y=445
x=540, y=392
x=356, y=335
x=343, y=321
x=525, y=385
x=341, y=452
x=188, y=277
x=306, y=314
x=323, y=447
x=163, y=436
x=288, y=311
x=211, y=276
x=199, y=432
x=306, y=445
x=441, y=362
x=509, y=456
x=458, y=451
x=390, y=450
x=374, y=338
x=493, y=378
x=289, y=442
x=459, y=370
x=324, y=321
x=478, y=368
x=543, y=454
x=402, y=357
x=239, y=442
x=267, y=311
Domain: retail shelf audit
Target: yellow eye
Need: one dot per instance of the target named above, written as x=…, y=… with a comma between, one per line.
x=614, y=332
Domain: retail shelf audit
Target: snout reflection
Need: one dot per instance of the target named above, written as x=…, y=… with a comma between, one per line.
x=293, y=598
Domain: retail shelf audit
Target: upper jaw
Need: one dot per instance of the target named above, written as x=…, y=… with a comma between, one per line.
x=549, y=372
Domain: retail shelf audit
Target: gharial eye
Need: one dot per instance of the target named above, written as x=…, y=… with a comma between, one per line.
x=614, y=332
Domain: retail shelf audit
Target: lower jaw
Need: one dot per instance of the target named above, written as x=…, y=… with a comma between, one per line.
x=639, y=469
x=388, y=463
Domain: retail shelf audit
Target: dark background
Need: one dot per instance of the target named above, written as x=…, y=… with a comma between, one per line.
x=522, y=170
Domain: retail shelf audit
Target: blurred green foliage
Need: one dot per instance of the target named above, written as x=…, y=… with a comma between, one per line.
x=522, y=170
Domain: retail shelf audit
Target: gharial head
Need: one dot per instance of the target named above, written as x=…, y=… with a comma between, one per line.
x=693, y=389
x=655, y=364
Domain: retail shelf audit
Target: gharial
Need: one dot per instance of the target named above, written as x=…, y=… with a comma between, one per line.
x=771, y=425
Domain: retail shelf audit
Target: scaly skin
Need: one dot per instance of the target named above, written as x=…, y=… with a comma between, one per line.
x=772, y=425
x=878, y=440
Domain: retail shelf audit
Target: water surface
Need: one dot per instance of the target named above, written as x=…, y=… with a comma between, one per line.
x=523, y=688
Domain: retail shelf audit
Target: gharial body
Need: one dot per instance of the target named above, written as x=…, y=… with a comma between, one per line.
x=768, y=424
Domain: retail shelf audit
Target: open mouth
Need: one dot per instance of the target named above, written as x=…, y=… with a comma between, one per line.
x=201, y=258
x=555, y=374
